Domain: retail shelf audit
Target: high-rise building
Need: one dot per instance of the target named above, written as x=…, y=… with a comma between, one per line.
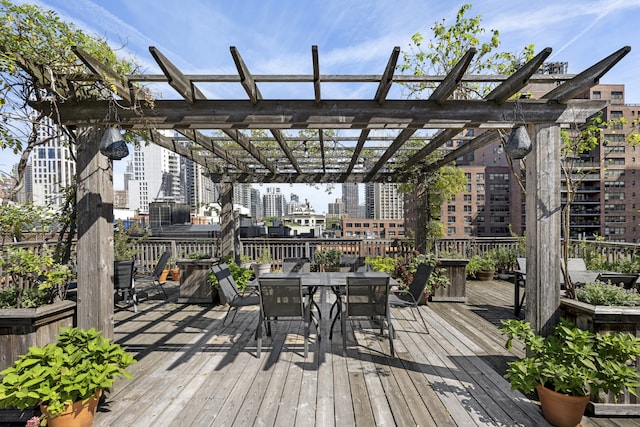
x=350, y=199
x=383, y=201
x=336, y=209
x=242, y=195
x=274, y=203
x=200, y=192
x=156, y=177
x=52, y=166
x=256, y=204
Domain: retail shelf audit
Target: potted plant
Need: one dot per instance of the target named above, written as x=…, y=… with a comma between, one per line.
x=76, y=368
x=505, y=261
x=329, y=259
x=481, y=267
x=263, y=262
x=570, y=365
x=174, y=270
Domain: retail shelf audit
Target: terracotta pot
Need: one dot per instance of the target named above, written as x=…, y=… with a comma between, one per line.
x=424, y=298
x=163, y=276
x=561, y=410
x=175, y=274
x=77, y=414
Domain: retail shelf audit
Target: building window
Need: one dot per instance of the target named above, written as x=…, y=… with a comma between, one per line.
x=596, y=95
x=467, y=208
x=616, y=94
x=451, y=230
x=467, y=220
x=451, y=208
x=451, y=219
x=468, y=231
x=480, y=187
x=479, y=177
x=467, y=197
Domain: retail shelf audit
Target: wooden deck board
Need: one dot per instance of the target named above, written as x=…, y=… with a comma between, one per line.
x=194, y=371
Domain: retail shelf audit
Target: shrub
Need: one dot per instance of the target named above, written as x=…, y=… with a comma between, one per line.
x=599, y=293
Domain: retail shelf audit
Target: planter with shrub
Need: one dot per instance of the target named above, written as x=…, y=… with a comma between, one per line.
x=572, y=362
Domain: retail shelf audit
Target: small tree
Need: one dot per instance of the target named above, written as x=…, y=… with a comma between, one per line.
x=447, y=46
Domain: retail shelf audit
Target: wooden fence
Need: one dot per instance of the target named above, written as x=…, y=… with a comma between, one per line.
x=149, y=250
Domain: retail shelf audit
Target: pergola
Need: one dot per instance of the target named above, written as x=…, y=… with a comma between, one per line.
x=316, y=140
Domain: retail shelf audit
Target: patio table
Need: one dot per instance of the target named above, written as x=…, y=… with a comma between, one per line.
x=323, y=280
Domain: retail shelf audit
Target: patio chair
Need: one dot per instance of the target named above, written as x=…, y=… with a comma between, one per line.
x=235, y=298
x=410, y=297
x=628, y=281
x=365, y=297
x=123, y=282
x=296, y=265
x=302, y=265
x=154, y=278
x=282, y=299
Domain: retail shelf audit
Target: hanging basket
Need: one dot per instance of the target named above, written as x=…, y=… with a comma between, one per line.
x=112, y=145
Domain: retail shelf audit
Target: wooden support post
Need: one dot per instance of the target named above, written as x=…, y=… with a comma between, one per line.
x=94, y=203
x=226, y=219
x=543, y=214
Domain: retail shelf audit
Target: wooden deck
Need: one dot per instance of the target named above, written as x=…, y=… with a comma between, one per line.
x=194, y=371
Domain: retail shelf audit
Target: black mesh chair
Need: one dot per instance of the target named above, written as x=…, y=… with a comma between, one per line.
x=296, y=265
x=123, y=282
x=410, y=297
x=154, y=278
x=282, y=299
x=365, y=297
x=628, y=281
x=235, y=298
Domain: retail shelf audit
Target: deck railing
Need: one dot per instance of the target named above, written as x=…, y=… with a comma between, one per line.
x=149, y=250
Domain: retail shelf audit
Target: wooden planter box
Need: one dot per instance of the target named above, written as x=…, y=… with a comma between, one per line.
x=601, y=318
x=457, y=290
x=194, y=285
x=21, y=328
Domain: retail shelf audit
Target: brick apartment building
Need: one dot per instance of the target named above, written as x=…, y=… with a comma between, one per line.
x=607, y=202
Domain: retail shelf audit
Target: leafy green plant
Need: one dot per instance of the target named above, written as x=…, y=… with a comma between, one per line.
x=381, y=264
x=199, y=255
x=124, y=244
x=31, y=271
x=505, y=258
x=599, y=293
x=407, y=265
x=478, y=263
x=329, y=258
x=571, y=360
x=74, y=368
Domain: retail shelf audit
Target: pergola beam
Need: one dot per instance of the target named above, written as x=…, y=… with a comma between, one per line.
x=471, y=146
x=519, y=79
x=254, y=94
x=106, y=74
x=387, y=77
x=338, y=114
x=176, y=79
x=452, y=79
x=316, y=73
x=170, y=144
x=586, y=79
x=402, y=137
x=207, y=143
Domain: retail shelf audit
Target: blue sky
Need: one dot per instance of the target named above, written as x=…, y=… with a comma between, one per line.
x=353, y=37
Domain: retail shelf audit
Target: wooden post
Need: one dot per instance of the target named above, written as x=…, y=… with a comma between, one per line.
x=227, y=223
x=94, y=201
x=543, y=214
